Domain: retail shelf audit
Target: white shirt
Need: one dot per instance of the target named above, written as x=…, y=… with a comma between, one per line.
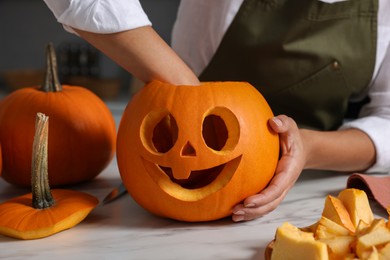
x=99, y=16
x=208, y=21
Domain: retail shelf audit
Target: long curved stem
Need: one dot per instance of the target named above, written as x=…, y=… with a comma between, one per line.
x=41, y=194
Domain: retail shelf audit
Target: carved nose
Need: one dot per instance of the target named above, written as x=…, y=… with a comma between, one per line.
x=188, y=150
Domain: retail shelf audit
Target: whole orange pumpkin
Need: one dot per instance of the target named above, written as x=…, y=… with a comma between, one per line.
x=82, y=136
x=192, y=153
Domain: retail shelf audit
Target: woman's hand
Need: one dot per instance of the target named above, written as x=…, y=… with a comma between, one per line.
x=346, y=150
x=291, y=163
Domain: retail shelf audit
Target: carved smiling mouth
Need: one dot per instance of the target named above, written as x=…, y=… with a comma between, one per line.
x=200, y=184
x=197, y=179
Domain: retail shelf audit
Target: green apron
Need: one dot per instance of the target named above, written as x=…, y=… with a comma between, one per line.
x=307, y=57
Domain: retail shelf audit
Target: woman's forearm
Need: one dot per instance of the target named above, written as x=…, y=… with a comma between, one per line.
x=345, y=150
x=144, y=54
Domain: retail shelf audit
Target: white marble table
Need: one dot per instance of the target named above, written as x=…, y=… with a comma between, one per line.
x=123, y=230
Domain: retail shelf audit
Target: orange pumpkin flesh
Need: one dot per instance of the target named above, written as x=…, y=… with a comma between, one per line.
x=83, y=127
x=192, y=153
x=43, y=212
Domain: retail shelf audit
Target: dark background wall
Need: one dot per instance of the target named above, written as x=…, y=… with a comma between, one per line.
x=26, y=26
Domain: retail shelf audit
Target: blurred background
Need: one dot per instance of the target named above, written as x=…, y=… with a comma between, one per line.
x=27, y=26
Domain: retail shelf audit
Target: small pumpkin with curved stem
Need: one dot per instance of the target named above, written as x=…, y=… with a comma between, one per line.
x=43, y=212
x=82, y=138
x=192, y=153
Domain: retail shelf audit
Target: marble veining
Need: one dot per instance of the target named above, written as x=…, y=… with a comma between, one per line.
x=123, y=230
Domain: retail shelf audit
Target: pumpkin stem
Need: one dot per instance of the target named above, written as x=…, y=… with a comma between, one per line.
x=41, y=195
x=52, y=83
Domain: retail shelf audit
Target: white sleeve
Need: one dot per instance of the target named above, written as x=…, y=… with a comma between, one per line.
x=99, y=16
x=374, y=118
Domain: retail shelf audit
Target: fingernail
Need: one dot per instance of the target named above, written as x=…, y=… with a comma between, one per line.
x=238, y=218
x=250, y=205
x=277, y=121
x=240, y=212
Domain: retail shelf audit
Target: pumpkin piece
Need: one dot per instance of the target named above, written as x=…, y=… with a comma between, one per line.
x=350, y=257
x=376, y=223
x=335, y=210
x=43, y=212
x=388, y=223
x=292, y=243
x=82, y=137
x=357, y=204
x=370, y=255
x=327, y=228
x=364, y=228
x=376, y=238
x=311, y=228
x=361, y=228
x=192, y=153
x=339, y=247
x=337, y=238
x=384, y=252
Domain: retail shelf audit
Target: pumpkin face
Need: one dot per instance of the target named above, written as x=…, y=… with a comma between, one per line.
x=193, y=152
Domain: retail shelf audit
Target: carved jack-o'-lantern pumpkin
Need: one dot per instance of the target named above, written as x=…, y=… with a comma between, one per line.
x=191, y=153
